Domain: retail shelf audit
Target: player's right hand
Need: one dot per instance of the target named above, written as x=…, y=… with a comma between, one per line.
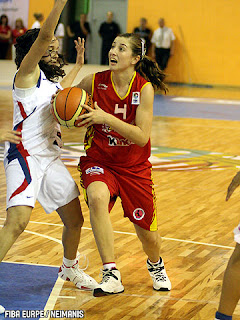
x=233, y=185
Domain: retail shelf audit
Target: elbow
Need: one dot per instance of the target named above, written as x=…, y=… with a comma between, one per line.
x=143, y=142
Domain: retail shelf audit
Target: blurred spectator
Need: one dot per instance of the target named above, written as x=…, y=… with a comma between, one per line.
x=59, y=34
x=77, y=29
x=39, y=17
x=5, y=35
x=17, y=32
x=162, y=44
x=144, y=32
x=108, y=31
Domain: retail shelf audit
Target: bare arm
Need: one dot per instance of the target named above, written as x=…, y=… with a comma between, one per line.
x=69, y=32
x=69, y=78
x=29, y=71
x=139, y=133
x=6, y=36
x=86, y=83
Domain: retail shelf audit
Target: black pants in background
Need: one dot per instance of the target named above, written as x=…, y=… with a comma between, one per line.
x=162, y=56
x=3, y=49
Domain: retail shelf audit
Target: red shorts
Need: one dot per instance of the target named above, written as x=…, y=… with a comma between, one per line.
x=133, y=185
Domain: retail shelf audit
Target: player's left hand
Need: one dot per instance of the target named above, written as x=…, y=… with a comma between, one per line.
x=11, y=136
x=94, y=116
x=233, y=185
x=80, y=48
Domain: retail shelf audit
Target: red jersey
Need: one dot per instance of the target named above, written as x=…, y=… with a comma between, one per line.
x=4, y=30
x=101, y=142
x=17, y=33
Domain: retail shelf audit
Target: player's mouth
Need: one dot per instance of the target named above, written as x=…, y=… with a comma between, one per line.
x=113, y=61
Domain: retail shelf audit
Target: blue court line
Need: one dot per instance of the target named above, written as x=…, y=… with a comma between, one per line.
x=25, y=287
x=167, y=106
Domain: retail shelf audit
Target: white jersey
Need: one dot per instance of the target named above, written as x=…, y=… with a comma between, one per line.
x=32, y=117
x=33, y=168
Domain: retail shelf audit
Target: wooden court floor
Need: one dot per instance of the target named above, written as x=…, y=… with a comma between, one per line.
x=194, y=221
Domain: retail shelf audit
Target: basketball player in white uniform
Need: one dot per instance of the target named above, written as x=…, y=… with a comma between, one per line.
x=33, y=168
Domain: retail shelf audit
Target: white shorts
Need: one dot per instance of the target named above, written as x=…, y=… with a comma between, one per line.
x=41, y=177
x=236, y=232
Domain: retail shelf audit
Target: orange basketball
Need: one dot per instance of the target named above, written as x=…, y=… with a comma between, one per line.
x=67, y=106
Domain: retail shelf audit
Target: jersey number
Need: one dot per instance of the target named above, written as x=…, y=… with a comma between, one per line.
x=121, y=110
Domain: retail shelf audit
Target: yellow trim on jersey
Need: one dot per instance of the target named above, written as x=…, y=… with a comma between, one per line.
x=93, y=78
x=89, y=138
x=154, y=225
x=145, y=85
x=129, y=88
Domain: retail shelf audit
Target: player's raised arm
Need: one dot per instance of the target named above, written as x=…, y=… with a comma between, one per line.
x=29, y=70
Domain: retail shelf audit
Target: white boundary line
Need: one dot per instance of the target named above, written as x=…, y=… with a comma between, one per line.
x=122, y=232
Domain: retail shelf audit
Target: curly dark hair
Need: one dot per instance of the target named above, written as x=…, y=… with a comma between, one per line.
x=24, y=44
x=147, y=68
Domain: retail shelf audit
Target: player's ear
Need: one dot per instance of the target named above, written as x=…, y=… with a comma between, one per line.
x=135, y=59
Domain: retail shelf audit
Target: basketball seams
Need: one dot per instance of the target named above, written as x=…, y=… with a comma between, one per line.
x=65, y=107
x=68, y=106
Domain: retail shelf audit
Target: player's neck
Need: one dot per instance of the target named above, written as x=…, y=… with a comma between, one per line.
x=122, y=79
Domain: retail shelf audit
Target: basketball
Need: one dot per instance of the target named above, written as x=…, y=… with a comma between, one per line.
x=67, y=106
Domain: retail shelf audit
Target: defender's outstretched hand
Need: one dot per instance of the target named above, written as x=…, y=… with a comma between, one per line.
x=80, y=48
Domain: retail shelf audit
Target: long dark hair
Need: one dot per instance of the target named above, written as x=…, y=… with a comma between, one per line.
x=23, y=45
x=4, y=16
x=147, y=68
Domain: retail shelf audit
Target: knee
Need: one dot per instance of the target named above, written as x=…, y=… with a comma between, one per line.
x=97, y=200
x=16, y=227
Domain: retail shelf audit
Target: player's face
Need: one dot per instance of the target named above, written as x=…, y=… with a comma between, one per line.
x=51, y=55
x=120, y=55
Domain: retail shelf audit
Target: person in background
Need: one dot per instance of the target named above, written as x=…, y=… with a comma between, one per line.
x=39, y=17
x=33, y=167
x=5, y=36
x=78, y=29
x=162, y=44
x=116, y=164
x=108, y=31
x=59, y=34
x=144, y=32
x=230, y=294
x=18, y=31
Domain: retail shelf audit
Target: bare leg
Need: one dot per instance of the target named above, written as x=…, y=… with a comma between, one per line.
x=231, y=284
x=72, y=218
x=151, y=242
x=98, y=199
x=16, y=222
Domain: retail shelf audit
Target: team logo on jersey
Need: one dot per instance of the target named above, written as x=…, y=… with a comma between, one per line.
x=138, y=214
x=102, y=86
x=94, y=170
x=106, y=128
x=136, y=98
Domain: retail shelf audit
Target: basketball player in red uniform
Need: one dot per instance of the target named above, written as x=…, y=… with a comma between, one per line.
x=117, y=145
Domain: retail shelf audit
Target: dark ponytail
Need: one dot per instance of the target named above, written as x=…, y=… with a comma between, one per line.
x=146, y=67
x=150, y=71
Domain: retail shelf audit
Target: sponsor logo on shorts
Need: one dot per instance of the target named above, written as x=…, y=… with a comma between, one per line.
x=138, y=214
x=94, y=170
